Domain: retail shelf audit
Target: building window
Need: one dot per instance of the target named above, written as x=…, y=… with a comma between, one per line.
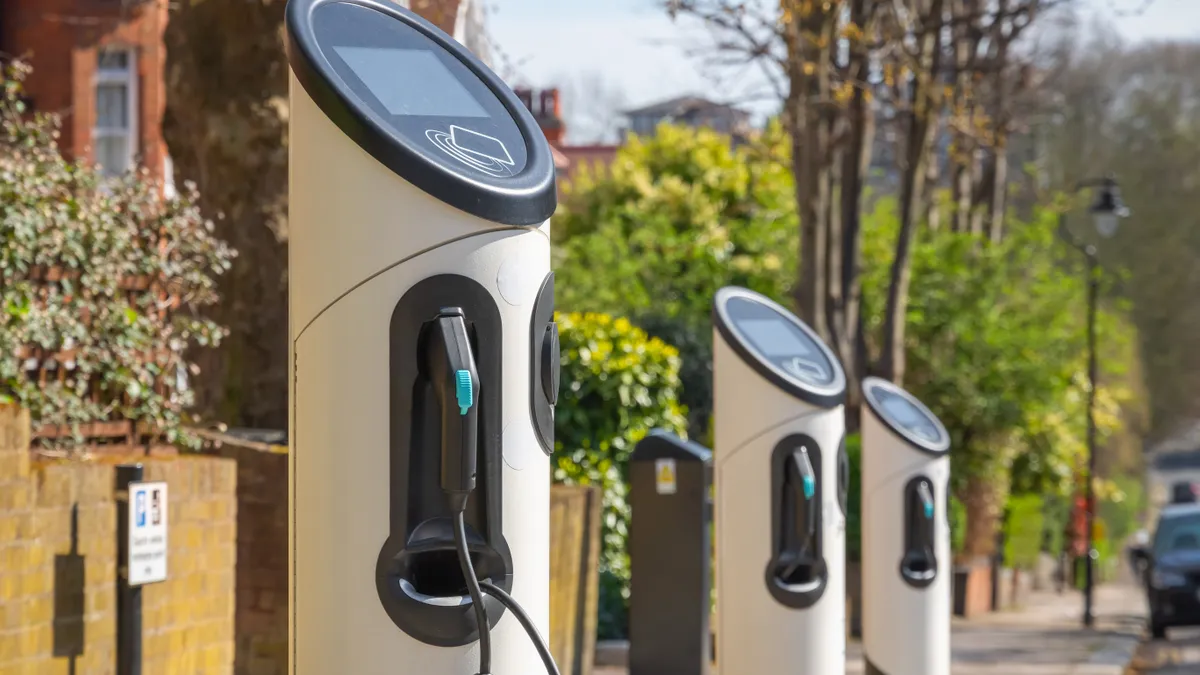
x=115, y=135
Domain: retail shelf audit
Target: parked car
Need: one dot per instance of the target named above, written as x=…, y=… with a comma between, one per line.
x=1184, y=492
x=1172, y=564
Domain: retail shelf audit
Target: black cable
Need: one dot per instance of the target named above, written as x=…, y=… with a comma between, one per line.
x=536, y=638
x=468, y=570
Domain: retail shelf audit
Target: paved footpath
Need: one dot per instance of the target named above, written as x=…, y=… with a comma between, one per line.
x=1045, y=637
x=1178, y=655
x=1042, y=638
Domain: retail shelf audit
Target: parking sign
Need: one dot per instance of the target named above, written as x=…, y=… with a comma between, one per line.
x=147, y=561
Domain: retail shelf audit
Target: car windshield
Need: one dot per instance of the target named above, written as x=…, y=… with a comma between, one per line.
x=1177, y=533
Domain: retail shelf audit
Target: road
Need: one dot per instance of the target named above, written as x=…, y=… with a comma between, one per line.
x=1177, y=655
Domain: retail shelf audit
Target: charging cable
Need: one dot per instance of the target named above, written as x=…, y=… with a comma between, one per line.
x=476, y=588
x=527, y=623
x=455, y=372
x=468, y=571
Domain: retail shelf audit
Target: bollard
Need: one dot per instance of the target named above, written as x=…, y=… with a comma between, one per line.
x=670, y=555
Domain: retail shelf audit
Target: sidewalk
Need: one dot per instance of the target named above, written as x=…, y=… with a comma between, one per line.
x=1045, y=637
x=1042, y=638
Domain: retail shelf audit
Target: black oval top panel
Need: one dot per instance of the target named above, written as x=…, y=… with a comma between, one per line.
x=424, y=106
x=906, y=416
x=779, y=346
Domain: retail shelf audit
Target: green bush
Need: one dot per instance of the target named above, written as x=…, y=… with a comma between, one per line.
x=1123, y=508
x=102, y=281
x=678, y=215
x=1024, y=529
x=617, y=385
x=958, y=526
x=854, y=499
x=1056, y=516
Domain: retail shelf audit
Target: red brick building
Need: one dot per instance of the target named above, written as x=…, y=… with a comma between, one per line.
x=546, y=107
x=98, y=63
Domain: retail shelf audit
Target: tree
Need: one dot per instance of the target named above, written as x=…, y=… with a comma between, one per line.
x=593, y=107
x=677, y=216
x=100, y=282
x=996, y=352
x=1132, y=110
x=226, y=127
x=840, y=69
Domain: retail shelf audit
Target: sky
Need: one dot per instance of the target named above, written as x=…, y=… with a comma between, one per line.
x=641, y=56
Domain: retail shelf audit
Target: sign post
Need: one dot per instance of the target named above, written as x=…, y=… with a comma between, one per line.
x=141, y=556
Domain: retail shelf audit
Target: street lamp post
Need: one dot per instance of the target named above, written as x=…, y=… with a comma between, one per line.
x=1107, y=211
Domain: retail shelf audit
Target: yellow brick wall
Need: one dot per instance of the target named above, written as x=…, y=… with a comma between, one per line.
x=57, y=516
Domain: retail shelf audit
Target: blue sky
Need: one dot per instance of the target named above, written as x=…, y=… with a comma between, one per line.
x=634, y=48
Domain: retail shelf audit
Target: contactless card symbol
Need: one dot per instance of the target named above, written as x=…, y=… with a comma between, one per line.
x=805, y=369
x=478, y=151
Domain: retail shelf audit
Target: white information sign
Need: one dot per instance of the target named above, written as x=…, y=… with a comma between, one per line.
x=147, y=562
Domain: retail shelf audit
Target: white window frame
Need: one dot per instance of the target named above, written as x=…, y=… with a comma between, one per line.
x=129, y=78
x=168, y=188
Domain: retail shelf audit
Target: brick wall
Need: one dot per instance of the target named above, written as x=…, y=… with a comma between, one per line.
x=58, y=565
x=262, y=561
x=60, y=39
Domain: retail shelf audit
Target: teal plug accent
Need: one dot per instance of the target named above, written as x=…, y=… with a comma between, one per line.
x=464, y=391
x=810, y=487
x=928, y=510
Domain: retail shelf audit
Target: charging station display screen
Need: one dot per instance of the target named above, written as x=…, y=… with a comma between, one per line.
x=780, y=343
x=774, y=339
x=902, y=413
x=410, y=82
x=418, y=93
x=907, y=416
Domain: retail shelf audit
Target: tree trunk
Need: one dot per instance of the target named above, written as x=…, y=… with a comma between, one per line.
x=999, y=200
x=982, y=193
x=226, y=127
x=918, y=145
x=963, y=158
x=983, y=499
x=854, y=158
x=808, y=36
x=960, y=185
x=932, y=215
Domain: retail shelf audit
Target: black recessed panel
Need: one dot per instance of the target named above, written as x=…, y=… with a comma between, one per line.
x=907, y=416
x=424, y=106
x=779, y=346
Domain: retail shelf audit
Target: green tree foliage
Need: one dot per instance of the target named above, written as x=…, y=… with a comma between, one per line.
x=854, y=498
x=617, y=384
x=100, y=281
x=958, y=526
x=1024, y=528
x=677, y=216
x=1123, y=508
x=1131, y=109
x=996, y=347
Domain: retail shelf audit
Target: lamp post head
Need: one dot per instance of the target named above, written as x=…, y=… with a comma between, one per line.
x=1108, y=209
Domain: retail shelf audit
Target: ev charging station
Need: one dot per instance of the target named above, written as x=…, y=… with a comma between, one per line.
x=905, y=534
x=779, y=466
x=423, y=351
